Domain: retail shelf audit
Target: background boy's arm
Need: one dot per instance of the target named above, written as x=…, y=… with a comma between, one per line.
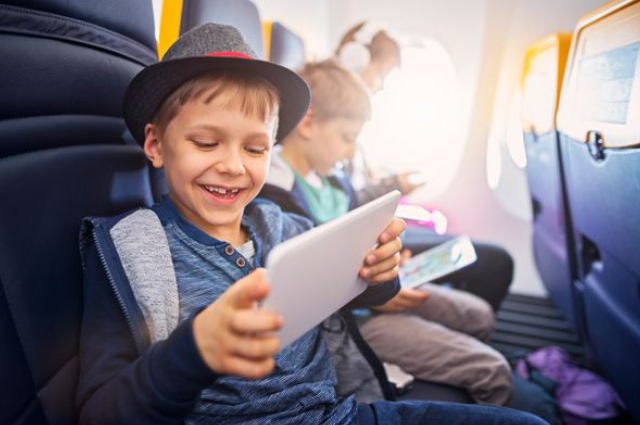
x=116, y=384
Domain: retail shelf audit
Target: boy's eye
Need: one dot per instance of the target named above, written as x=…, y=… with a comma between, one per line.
x=205, y=145
x=348, y=139
x=256, y=149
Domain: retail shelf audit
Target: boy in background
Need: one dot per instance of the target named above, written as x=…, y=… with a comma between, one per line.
x=372, y=53
x=439, y=339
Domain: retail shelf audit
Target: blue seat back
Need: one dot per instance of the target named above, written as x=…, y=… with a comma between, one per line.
x=242, y=14
x=64, y=78
x=286, y=48
x=62, y=157
x=49, y=192
x=600, y=144
x=553, y=245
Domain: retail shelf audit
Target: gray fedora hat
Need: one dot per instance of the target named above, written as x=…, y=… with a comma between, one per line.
x=210, y=47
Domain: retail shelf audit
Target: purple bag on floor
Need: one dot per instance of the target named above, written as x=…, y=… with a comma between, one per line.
x=580, y=394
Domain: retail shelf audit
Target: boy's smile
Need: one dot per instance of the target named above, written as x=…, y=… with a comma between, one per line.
x=216, y=160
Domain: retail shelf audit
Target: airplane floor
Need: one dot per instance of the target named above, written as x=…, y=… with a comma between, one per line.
x=525, y=323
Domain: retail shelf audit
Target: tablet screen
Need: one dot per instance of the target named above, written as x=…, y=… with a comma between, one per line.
x=437, y=262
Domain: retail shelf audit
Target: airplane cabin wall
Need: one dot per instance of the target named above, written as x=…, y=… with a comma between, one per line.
x=482, y=37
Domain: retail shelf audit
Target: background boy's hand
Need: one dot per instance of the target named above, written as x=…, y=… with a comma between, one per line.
x=406, y=299
x=381, y=263
x=408, y=182
x=405, y=256
x=235, y=338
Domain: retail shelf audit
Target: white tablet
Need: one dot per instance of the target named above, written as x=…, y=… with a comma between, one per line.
x=438, y=261
x=316, y=273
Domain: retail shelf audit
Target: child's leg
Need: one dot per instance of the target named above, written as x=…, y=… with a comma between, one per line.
x=430, y=412
x=457, y=310
x=432, y=352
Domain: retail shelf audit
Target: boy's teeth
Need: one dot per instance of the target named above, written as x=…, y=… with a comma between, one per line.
x=221, y=190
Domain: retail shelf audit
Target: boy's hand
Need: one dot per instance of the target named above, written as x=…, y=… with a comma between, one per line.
x=405, y=256
x=235, y=338
x=381, y=263
x=406, y=299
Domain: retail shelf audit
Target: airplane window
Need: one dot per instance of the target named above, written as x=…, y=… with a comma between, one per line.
x=515, y=139
x=413, y=118
x=506, y=160
x=496, y=153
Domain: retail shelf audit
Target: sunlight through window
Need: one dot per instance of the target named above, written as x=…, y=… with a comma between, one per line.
x=413, y=117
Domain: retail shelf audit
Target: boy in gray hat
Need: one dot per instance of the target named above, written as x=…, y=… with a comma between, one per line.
x=170, y=330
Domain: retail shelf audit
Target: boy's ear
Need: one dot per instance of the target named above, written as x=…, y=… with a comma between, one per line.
x=152, y=146
x=307, y=125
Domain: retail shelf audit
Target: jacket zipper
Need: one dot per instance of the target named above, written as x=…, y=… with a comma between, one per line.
x=116, y=292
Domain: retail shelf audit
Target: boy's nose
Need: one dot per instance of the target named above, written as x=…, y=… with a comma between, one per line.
x=231, y=164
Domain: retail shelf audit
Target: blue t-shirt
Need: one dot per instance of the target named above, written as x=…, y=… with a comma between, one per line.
x=301, y=389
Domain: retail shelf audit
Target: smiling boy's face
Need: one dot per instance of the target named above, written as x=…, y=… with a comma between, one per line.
x=216, y=160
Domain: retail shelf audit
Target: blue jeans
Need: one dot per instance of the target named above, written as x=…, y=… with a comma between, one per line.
x=433, y=412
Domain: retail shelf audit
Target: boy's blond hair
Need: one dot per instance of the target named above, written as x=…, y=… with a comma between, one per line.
x=253, y=95
x=336, y=92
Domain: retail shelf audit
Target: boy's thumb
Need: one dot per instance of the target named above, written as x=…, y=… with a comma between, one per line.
x=250, y=289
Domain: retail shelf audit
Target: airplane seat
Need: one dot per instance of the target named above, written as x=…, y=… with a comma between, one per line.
x=599, y=122
x=285, y=47
x=553, y=245
x=62, y=157
x=242, y=14
x=56, y=67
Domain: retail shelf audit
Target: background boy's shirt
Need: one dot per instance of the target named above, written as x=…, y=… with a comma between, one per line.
x=325, y=200
x=124, y=378
x=283, y=188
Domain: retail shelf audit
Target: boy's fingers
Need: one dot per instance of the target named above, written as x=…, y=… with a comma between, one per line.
x=413, y=295
x=381, y=267
x=256, y=348
x=393, y=230
x=384, y=277
x=404, y=305
x=245, y=292
x=384, y=252
x=252, y=369
x=255, y=321
x=405, y=255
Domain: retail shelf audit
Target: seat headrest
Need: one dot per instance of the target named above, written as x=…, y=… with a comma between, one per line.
x=64, y=78
x=131, y=18
x=287, y=48
x=242, y=14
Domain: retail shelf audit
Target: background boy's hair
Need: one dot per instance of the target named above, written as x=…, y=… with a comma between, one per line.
x=336, y=92
x=253, y=95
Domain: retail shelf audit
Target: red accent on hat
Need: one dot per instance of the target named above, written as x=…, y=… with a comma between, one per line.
x=229, y=54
